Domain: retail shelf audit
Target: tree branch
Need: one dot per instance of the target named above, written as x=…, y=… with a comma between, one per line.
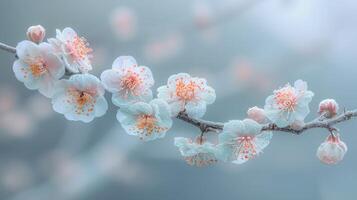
x=328, y=124
x=209, y=126
x=7, y=48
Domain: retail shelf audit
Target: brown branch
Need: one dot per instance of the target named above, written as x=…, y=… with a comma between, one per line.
x=7, y=48
x=328, y=124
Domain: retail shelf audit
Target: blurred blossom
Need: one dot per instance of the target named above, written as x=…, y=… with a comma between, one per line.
x=8, y=98
x=123, y=21
x=202, y=14
x=164, y=48
x=243, y=70
x=299, y=26
x=100, y=59
x=39, y=107
x=17, y=123
x=115, y=165
x=62, y=167
x=15, y=176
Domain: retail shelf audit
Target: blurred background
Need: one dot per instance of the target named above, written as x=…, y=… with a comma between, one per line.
x=244, y=48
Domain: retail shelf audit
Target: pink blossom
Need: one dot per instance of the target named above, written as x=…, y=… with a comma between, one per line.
x=36, y=33
x=257, y=114
x=328, y=108
x=332, y=150
x=186, y=93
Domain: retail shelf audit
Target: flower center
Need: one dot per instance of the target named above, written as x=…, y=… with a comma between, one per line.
x=83, y=98
x=286, y=98
x=131, y=82
x=38, y=68
x=148, y=123
x=186, y=91
x=78, y=48
x=245, y=148
x=84, y=101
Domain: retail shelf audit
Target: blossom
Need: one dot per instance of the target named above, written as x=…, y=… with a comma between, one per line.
x=73, y=49
x=288, y=104
x=186, y=93
x=37, y=67
x=332, y=150
x=241, y=141
x=196, y=153
x=128, y=82
x=148, y=121
x=328, y=108
x=80, y=98
x=256, y=114
x=36, y=34
x=124, y=22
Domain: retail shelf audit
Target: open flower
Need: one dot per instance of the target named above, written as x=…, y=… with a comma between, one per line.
x=80, y=98
x=186, y=93
x=149, y=121
x=196, y=153
x=241, y=141
x=332, y=150
x=38, y=67
x=73, y=49
x=288, y=104
x=128, y=82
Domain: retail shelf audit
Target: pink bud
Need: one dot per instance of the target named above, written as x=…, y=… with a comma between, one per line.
x=257, y=114
x=328, y=108
x=36, y=33
x=332, y=150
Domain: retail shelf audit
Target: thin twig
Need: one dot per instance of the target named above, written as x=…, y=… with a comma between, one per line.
x=7, y=48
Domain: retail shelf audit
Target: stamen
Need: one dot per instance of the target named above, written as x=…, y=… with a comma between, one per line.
x=130, y=83
x=83, y=100
x=146, y=124
x=78, y=48
x=245, y=148
x=37, y=67
x=186, y=91
x=286, y=98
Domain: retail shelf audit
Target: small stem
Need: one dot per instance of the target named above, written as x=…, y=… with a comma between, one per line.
x=7, y=48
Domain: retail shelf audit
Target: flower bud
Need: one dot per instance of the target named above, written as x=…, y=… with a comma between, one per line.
x=328, y=108
x=257, y=114
x=332, y=150
x=36, y=33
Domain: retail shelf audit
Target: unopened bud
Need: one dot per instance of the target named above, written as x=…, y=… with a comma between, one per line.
x=328, y=108
x=332, y=150
x=36, y=33
x=257, y=114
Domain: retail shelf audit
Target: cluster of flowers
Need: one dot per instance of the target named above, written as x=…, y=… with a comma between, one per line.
x=43, y=66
